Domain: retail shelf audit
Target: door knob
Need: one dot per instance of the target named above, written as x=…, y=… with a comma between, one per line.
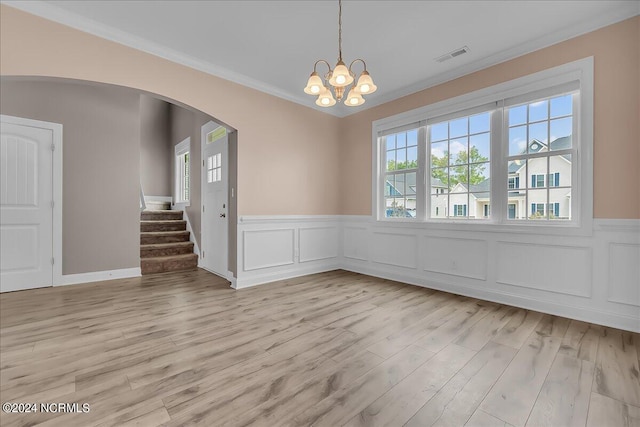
x=222, y=215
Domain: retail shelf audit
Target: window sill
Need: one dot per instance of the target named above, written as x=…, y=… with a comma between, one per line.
x=182, y=204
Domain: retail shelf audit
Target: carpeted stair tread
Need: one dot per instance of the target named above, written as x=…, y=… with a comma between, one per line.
x=165, y=245
x=169, y=263
x=165, y=249
x=159, y=215
x=164, y=225
x=158, y=237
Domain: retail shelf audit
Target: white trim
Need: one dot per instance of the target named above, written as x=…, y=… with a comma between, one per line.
x=255, y=280
x=274, y=219
x=99, y=276
x=158, y=199
x=56, y=14
x=192, y=236
x=143, y=204
x=57, y=166
x=621, y=225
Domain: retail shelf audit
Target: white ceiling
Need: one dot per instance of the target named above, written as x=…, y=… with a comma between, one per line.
x=272, y=45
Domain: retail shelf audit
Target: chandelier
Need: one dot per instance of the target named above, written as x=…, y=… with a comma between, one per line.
x=337, y=80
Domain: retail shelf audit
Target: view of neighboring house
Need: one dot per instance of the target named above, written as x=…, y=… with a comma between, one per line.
x=535, y=190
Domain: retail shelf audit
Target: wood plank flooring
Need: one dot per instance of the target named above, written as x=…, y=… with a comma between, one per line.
x=328, y=349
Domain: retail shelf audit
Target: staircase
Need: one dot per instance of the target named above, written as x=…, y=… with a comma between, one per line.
x=164, y=243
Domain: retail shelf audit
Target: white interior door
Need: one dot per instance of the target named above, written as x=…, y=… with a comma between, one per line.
x=215, y=199
x=26, y=205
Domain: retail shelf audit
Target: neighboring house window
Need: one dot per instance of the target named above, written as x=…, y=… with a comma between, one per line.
x=444, y=160
x=459, y=210
x=182, y=171
x=459, y=160
x=514, y=182
x=537, y=210
x=400, y=173
x=537, y=181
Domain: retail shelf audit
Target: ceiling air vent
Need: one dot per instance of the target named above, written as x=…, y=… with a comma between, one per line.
x=452, y=54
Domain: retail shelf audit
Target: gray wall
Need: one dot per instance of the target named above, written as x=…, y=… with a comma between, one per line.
x=155, y=147
x=187, y=124
x=101, y=167
x=114, y=139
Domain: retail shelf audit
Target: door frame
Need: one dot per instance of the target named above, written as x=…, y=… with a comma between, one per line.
x=56, y=181
x=204, y=130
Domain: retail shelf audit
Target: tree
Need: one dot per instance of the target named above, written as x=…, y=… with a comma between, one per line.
x=392, y=165
x=458, y=171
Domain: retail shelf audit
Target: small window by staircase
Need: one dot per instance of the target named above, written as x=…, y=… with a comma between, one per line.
x=182, y=171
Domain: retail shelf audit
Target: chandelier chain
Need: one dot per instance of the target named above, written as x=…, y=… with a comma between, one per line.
x=339, y=30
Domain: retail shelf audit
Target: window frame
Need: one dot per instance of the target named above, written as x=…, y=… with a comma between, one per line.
x=181, y=149
x=547, y=83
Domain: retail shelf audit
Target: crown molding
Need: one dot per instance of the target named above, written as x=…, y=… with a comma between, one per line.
x=53, y=13
x=630, y=10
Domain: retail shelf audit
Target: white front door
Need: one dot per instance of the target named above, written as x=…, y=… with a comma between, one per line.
x=215, y=203
x=26, y=205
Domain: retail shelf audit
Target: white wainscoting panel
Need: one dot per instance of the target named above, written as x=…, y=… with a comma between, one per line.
x=553, y=268
x=594, y=278
x=279, y=247
x=624, y=273
x=400, y=250
x=268, y=248
x=318, y=243
x=455, y=256
x=355, y=243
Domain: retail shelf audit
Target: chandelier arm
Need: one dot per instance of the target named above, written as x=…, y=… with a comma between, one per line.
x=364, y=64
x=319, y=61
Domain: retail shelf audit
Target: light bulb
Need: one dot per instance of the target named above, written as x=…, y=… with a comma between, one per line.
x=341, y=79
x=364, y=88
x=325, y=101
x=315, y=89
x=353, y=101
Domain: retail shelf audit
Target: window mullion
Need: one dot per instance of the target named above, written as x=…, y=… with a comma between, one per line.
x=499, y=171
x=422, y=181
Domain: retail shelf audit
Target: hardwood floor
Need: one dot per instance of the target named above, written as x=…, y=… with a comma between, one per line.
x=328, y=349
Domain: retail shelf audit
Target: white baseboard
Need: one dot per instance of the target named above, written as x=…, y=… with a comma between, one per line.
x=255, y=280
x=99, y=276
x=586, y=314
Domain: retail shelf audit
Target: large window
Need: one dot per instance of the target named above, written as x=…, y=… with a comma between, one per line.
x=505, y=154
x=182, y=171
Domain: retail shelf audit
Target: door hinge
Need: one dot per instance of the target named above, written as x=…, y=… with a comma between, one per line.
x=53, y=147
x=53, y=261
x=52, y=204
x=202, y=208
x=202, y=163
x=202, y=254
